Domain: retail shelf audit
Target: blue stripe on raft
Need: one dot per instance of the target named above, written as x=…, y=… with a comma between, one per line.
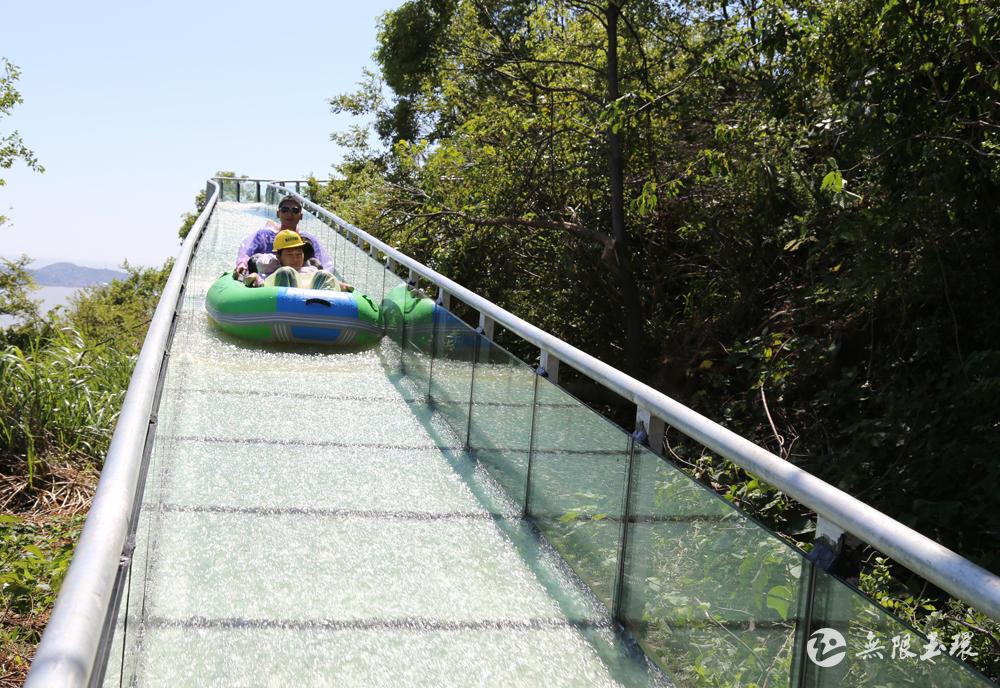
x=316, y=334
x=324, y=302
x=318, y=305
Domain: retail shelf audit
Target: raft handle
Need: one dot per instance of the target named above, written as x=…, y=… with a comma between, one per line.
x=323, y=302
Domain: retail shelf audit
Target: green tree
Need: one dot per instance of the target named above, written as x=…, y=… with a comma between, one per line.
x=16, y=285
x=811, y=217
x=521, y=112
x=119, y=311
x=12, y=147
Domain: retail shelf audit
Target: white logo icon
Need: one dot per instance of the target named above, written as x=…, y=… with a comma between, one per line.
x=826, y=647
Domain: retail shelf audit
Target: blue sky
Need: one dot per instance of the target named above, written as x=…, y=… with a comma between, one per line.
x=132, y=106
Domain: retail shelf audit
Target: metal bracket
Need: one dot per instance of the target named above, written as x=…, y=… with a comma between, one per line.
x=830, y=534
x=486, y=325
x=827, y=545
x=650, y=428
x=548, y=365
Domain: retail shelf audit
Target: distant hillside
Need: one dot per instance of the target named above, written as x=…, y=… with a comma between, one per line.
x=69, y=275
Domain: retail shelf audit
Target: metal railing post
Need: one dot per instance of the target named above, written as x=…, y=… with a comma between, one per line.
x=828, y=542
x=435, y=323
x=526, y=512
x=548, y=364
x=486, y=325
x=472, y=393
x=619, y=589
x=803, y=624
x=444, y=299
x=650, y=429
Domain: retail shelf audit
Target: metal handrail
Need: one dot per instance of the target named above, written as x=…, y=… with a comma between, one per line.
x=68, y=651
x=948, y=570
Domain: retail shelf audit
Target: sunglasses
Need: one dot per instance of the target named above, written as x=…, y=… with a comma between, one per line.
x=294, y=210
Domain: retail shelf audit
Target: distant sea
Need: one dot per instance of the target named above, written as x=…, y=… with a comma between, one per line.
x=50, y=297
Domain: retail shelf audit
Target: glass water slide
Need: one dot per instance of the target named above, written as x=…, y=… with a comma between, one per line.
x=308, y=521
x=431, y=511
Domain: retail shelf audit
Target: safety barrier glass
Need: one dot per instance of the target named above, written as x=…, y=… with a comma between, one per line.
x=501, y=417
x=713, y=597
x=708, y=592
x=860, y=644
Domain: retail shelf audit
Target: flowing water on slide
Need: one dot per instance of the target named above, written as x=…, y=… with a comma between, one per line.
x=308, y=521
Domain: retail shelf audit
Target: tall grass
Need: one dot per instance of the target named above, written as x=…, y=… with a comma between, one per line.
x=61, y=398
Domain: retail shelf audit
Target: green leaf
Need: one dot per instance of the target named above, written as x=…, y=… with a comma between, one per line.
x=569, y=516
x=833, y=182
x=779, y=599
x=34, y=550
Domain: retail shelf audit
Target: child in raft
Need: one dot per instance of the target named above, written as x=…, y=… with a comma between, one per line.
x=289, y=266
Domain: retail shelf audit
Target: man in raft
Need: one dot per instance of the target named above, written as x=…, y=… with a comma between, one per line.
x=291, y=253
x=262, y=241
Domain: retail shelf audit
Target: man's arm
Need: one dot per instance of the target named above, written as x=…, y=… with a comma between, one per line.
x=259, y=242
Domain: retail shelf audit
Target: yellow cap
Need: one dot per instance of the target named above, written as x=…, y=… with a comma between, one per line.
x=286, y=238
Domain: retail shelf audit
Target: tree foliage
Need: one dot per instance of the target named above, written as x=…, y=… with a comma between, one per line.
x=12, y=147
x=65, y=376
x=809, y=206
x=16, y=285
x=119, y=311
x=64, y=379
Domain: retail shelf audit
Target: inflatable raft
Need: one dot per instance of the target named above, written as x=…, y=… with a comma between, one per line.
x=418, y=320
x=284, y=314
x=409, y=316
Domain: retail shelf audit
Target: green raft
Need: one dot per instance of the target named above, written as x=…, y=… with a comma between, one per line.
x=286, y=314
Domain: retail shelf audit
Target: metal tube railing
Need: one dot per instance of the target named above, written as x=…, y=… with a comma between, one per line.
x=69, y=647
x=937, y=564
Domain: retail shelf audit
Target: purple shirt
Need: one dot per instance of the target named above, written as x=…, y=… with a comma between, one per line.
x=263, y=242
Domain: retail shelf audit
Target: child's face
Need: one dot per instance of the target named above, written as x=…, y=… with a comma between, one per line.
x=292, y=257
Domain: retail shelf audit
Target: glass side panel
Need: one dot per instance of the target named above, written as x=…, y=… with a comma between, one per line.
x=391, y=350
x=132, y=614
x=134, y=608
x=335, y=250
x=116, y=654
x=854, y=642
x=228, y=190
x=248, y=191
x=373, y=278
x=348, y=259
x=355, y=261
x=500, y=430
x=420, y=317
x=342, y=261
x=711, y=595
x=454, y=350
x=362, y=269
x=575, y=485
